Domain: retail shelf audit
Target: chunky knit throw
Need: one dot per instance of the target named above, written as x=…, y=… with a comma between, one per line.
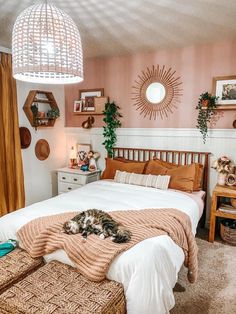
x=93, y=256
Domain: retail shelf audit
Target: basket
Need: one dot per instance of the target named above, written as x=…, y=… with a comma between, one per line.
x=227, y=232
x=59, y=288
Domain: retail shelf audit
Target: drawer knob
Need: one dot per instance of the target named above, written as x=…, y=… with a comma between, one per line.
x=75, y=179
x=69, y=188
x=63, y=178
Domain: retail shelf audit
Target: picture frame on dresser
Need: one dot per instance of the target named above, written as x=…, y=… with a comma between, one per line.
x=224, y=87
x=82, y=152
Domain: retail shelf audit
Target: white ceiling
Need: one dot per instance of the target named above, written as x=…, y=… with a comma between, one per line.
x=114, y=27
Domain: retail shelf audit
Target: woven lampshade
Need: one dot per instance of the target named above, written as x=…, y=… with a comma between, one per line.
x=46, y=46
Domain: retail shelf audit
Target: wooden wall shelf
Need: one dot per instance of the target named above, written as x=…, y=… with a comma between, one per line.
x=88, y=113
x=230, y=107
x=34, y=98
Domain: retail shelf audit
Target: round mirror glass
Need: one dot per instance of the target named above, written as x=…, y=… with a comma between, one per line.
x=155, y=93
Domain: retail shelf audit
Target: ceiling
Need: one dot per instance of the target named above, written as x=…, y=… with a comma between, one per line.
x=115, y=27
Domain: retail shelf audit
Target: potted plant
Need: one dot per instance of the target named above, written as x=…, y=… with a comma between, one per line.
x=206, y=105
x=35, y=110
x=53, y=113
x=112, y=120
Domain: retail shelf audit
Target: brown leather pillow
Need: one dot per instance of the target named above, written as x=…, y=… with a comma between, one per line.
x=112, y=165
x=182, y=177
x=198, y=180
x=129, y=160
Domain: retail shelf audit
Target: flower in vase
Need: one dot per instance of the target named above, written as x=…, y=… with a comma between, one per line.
x=223, y=165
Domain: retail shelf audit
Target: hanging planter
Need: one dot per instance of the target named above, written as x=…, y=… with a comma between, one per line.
x=207, y=104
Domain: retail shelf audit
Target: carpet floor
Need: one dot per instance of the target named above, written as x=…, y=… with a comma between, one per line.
x=215, y=290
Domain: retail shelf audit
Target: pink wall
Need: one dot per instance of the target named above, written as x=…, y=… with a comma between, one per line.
x=196, y=65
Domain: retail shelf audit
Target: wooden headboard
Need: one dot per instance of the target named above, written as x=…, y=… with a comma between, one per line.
x=173, y=156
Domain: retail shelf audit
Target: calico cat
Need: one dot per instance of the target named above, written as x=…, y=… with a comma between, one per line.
x=97, y=222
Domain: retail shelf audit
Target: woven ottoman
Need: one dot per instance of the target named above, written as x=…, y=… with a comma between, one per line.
x=59, y=289
x=16, y=266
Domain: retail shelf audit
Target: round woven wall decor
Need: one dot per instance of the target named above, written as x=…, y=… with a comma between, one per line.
x=171, y=96
x=42, y=149
x=25, y=137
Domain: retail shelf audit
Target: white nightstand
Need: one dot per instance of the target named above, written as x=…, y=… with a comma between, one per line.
x=71, y=179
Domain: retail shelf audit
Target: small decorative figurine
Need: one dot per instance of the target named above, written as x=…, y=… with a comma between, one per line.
x=93, y=156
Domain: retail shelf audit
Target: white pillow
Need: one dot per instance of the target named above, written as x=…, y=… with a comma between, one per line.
x=148, y=180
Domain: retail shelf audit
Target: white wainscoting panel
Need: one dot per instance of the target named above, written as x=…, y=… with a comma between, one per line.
x=219, y=142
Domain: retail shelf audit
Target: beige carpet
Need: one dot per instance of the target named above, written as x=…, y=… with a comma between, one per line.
x=215, y=290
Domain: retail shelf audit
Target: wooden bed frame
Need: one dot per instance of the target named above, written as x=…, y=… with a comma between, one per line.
x=173, y=156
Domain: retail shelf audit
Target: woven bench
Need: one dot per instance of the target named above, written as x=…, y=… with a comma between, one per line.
x=58, y=289
x=15, y=266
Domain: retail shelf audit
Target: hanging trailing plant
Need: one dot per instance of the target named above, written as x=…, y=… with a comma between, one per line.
x=35, y=110
x=206, y=105
x=112, y=116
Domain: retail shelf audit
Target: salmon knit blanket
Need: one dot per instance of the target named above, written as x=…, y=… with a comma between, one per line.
x=93, y=256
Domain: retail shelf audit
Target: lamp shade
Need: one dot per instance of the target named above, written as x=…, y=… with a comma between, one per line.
x=46, y=46
x=73, y=153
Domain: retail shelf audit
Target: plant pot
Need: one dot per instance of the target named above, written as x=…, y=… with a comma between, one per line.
x=205, y=103
x=41, y=114
x=221, y=178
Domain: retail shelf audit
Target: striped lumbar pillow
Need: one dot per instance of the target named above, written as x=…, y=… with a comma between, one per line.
x=148, y=180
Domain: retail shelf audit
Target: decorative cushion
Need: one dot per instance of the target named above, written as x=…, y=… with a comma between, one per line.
x=148, y=180
x=197, y=186
x=182, y=177
x=112, y=165
x=15, y=266
x=58, y=288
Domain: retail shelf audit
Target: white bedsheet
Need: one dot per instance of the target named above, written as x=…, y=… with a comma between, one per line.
x=149, y=270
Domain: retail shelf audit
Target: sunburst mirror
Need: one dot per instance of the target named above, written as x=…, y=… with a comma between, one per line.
x=156, y=92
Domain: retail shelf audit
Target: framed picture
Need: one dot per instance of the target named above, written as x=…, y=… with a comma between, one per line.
x=99, y=103
x=78, y=105
x=82, y=153
x=225, y=88
x=89, y=104
x=94, y=92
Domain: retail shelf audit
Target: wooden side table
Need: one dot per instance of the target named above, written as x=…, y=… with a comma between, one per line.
x=220, y=191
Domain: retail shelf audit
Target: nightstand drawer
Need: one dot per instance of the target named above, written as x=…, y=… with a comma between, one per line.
x=71, y=178
x=64, y=187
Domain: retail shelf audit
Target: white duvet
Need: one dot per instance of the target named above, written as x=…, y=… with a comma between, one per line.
x=149, y=270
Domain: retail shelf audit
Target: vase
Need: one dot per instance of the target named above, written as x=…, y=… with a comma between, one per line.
x=221, y=178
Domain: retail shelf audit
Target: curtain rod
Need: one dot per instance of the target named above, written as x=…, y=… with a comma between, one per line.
x=6, y=50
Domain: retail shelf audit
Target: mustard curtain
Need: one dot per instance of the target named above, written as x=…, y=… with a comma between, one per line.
x=12, y=195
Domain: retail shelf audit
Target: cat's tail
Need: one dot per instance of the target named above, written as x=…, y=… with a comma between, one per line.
x=121, y=236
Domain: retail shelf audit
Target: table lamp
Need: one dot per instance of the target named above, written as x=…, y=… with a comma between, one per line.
x=73, y=162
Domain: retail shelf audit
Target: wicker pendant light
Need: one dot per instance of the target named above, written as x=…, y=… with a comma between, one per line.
x=46, y=46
